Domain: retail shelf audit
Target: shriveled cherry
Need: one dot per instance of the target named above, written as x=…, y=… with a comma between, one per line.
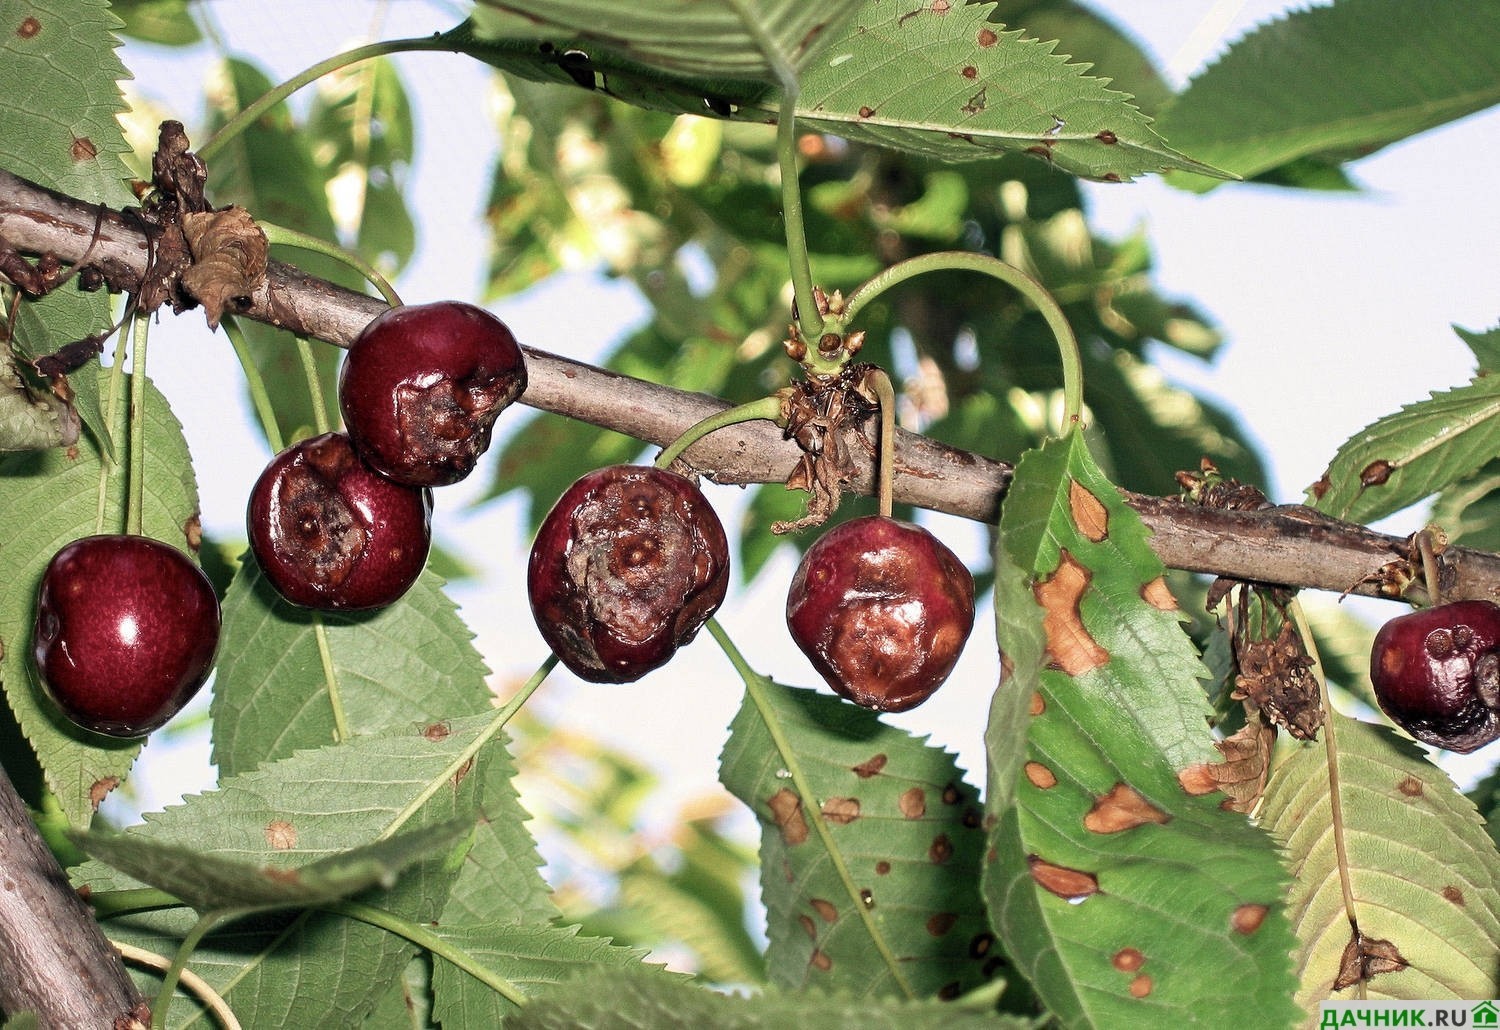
x=331, y=533
x=422, y=386
x=126, y=630
x=626, y=568
x=882, y=609
x=1436, y=673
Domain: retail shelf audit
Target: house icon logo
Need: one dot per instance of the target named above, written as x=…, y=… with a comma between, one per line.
x=1485, y=1016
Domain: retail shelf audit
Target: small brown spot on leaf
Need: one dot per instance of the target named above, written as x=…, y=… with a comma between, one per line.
x=913, y=802
x=83, y=149
x=1140, y=986
x=1038, y=703
x=436, y=732
x=1040, y=776
x=941, y=849
x=866, y=898
x=940, y=6
x=941, y=923
x=980, y=946
x=1122, y=809
x=988, y=38
x=1411, y=787
x=1069, y=884
x=28, y=28
x=1128, y=960
x=99, y=790
x=977, y=102
x=820, y=961
x=461, y=773
x=824, y=908
x=786, y=810
x=1158, y=595
x=1106, y=137
x=1089, y=513
x=1454, y=895
x=192, y=533
x=970, y=72
x=972, y=819
x=1246, y=919
x=1365, y=957
x=1198, y=779
x=805, y=921
x=841, y=810
x=1376, y=473
x=882, y=868
x=1111, y=177
x=866, y=112
x=870, y=767
x=1044, y=152
x=1069, y=643
x=281, y=835
x=951, y=794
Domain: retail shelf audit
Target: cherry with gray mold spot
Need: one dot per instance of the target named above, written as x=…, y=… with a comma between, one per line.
x=1436, y=673
x=626, y=568
x=331, y=533
x=882, y=609
x=126, y=631
x=422, y=386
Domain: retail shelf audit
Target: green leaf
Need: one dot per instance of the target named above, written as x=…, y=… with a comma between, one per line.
x=31, y=418
x=1421, y=870
x=620, y=1000
x=740, y=39
x=314, y=969
x=1485, y=345
x=870, y=848
x=51, y=498
x=412, y=663
x=62, y=317
x=164, y=22
x=952, y=85
x=59, y=76
x=1337, y=82
x=210, y=883
x=1469, y=510
x=1400, y=459
x=1126, y=896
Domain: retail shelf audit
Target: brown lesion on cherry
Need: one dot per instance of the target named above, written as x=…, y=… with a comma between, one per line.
x=317, y=531
x=451, y=421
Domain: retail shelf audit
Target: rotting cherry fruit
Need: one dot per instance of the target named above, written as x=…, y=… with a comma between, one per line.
x=882, y=609
x=331, y=533
x=422, y=386
x=626, y=568
x=1436, y=673
x=126, y=631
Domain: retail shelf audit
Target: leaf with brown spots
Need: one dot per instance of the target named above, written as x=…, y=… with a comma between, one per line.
x=1411, y=841
x=907, y=832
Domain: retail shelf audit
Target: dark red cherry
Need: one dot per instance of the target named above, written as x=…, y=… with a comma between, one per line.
x=882, y=609
x=422, y=386
x=330, y=532
x=626, y=568
x=1436, y=673
x=126, y=630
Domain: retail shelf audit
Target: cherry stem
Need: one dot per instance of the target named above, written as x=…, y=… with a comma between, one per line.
x=321, y=422
x=111, y=406
x=885, y=472
x=255, y=383
x=1429, y=566
x=136, y=474
x=957, y=260
x=280, y=235
x=768, y=408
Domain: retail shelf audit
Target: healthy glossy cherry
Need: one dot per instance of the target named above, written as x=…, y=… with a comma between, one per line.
x=126, y=630
x=330, y=532
x=626, y=568
x=882, y=609
x=1436, y=673
x=422, y=386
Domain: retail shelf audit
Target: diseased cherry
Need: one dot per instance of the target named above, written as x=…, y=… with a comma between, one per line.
x=1436, y=673
x=882, y=609
x=422, y=386
x=331, y=533
x=126, y=630
x=626, y=568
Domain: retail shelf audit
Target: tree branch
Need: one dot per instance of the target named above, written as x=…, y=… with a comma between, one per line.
x=1290, y=545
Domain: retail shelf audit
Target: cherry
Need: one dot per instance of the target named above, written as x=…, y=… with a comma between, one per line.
x=126, y=630
x=626, y=568
x=1436, y=673
x=882, y=610
x=329, y=532
x=422, y=386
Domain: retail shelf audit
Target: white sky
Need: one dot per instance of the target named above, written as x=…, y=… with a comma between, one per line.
x=1336, y=310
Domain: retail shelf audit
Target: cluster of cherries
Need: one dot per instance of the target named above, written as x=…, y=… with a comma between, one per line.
x=625, y=569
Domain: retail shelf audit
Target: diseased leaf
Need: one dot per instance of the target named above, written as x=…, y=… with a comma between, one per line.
x=31, y=418
x=736, y=39
x=51, y=498
x=1402, y=458
x=1423, y=874
x=1336, y=82
x=870, y=846
x=617, y=1000
x=63, y=317
x=210, y=883
x=1121, y=887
